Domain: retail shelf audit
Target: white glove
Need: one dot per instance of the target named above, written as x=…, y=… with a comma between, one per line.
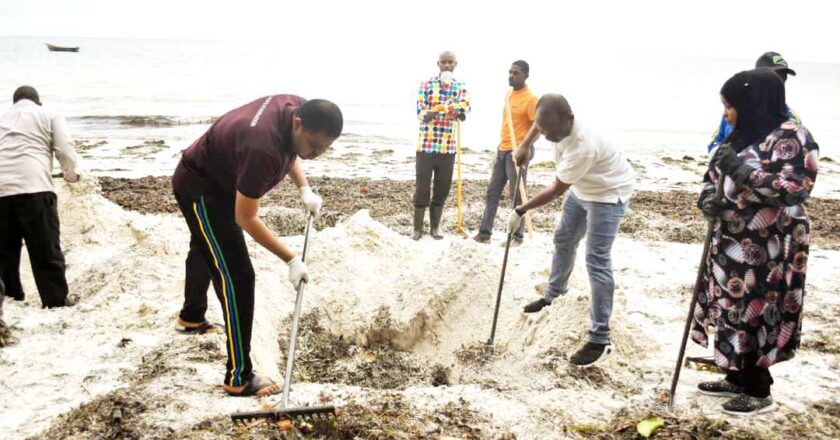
x=514, y=220
x=72, y=177
x=311, y=202
x=297, y=271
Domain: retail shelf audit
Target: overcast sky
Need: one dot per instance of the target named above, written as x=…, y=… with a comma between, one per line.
x=802, y=30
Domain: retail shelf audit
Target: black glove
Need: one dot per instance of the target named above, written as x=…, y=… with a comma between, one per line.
x=712, y=207
x=727, y=160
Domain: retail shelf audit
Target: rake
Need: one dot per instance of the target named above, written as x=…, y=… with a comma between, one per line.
x=310, y=414
x=504, y=268
x=698, y=285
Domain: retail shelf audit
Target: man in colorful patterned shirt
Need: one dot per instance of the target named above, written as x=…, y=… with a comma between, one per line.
x=441, y=102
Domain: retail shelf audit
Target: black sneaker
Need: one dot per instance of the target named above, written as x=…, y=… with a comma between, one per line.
x=745, y=406
x=591, y=354
x=720, y=388
x=536, y=306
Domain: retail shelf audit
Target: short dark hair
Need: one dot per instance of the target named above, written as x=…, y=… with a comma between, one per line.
x=523, y=65
x=26, y=92
x=321, y=116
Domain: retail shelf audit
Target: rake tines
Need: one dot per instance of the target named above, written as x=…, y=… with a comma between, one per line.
x=310, y=414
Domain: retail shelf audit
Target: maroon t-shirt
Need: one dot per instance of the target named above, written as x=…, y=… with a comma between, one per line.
x=249, y=150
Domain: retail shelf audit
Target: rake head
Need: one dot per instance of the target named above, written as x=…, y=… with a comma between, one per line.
x=701, y=364
x=310, y=414
x=660, y=400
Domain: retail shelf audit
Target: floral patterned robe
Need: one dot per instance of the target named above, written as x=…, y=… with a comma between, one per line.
x=754, y=283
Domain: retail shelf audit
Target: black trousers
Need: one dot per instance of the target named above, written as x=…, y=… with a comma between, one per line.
x=33, y=219
x=218, y=252
x=2, y=297
x=437, y=167
x=755, y=380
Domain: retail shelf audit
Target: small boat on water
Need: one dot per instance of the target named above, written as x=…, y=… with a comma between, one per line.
x=61, y=48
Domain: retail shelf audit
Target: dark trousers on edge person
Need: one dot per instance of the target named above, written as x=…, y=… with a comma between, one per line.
x=429, y=167
x=33, y=219
x=504, y=173
x=218, y=251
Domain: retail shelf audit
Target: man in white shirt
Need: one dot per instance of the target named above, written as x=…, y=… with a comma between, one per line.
x=601, y=182
x=30, y=136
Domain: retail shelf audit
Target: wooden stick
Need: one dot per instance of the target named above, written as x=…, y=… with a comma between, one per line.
x=528, y=224
x=459, y=218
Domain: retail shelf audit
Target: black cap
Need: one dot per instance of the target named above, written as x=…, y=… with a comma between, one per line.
x=26, y=92
x=774, y=61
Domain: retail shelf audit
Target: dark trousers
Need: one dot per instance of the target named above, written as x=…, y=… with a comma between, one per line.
x=755, y=380
x=218, y=252
x=437, y=167
x=197, y=280
x=33, y=219
x=504, y=173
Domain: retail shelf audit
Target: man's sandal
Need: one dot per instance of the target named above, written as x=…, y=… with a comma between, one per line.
x=258, y=386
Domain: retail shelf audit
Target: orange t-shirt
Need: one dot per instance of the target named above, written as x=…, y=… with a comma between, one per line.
x=523, y=108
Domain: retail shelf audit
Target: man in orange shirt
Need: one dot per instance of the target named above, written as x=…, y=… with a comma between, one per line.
x=522, y=105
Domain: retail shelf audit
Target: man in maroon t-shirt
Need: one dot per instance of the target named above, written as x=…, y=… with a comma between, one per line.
x=218, y=184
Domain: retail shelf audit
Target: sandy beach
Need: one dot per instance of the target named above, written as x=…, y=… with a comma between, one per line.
x=393, y=329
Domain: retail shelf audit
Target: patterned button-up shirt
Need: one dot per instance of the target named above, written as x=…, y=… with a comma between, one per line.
x=438, y=135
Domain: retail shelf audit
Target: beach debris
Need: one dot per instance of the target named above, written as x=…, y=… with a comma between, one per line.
x=6, y=338
x=479, y=353
x=648, y=426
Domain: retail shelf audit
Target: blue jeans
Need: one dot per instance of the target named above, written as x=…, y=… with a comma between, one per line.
x=599, y=221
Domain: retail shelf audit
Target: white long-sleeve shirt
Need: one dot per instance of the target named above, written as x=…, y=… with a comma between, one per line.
x=29, y=137
x=594, y=167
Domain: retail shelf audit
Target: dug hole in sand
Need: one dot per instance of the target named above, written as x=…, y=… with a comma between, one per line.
x=392, y=334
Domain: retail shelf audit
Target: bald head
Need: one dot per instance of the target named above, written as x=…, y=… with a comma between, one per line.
x=556, y=103
x=554, y=117
x=446, y=61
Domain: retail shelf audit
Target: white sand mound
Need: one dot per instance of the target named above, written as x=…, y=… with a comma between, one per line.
x=378, y=286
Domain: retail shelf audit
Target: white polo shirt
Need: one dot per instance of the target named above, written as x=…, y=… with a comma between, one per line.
x=594, y=167
x=29, y=136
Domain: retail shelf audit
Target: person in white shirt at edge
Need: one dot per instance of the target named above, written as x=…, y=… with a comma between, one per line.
x=601, y=182
x=30, y=136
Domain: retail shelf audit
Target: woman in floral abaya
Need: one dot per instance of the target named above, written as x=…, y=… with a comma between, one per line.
x=755, y=277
